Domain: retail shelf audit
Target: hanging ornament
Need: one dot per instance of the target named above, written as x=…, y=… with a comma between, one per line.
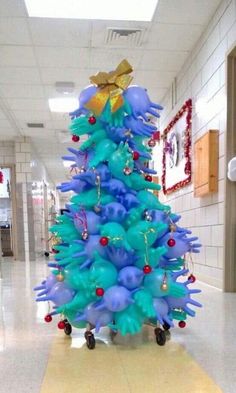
x=171, y=242
x=48, y=318
x=104, y=241
x=192, y=278
x=75, y=138
x=127, y=171
x=147, y=269
x=148, y=178
x=60, y=277
x=81, y=169
x=164, y=285
x=147, y=216
x=136, y=155
x=61, y=325
x=1, y=177
x=82, y=219
x=100, y=291
x=92, y=120
x=54, y=251
x=172, y=227
x=85, y=235
x=97, y=208
x=151, y=143
x=182, y=324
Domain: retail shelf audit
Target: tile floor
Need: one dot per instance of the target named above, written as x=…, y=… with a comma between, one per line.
x=35, y=357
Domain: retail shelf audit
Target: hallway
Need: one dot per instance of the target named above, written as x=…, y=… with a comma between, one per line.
x=200, y=357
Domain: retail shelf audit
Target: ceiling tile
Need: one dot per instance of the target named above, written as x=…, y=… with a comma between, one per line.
x=64, y=117
x=108, y=59
x=4, y=123
x=78, y=76
x=28, y=116
x=40, y=134
x=185, y=11
x=163, y=60
x=14, y=31
x=62, y=124
x=60, y=32
x=27, y=104
x=18, y=56
x=12, y=8
x=62, y=57
x=173, y=37
x=2, y=114
x=8, y=133
x=156, y=95
x=159, y=79
x=22, y=91
x=19, y=75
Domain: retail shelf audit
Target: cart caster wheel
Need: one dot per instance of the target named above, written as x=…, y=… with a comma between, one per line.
x=68, y=329
x=46, y=254
x=166, y=326
x=160, y=336
x=90, y=340
x=113, y=334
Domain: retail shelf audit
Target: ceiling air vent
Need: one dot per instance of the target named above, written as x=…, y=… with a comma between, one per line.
x=121, y=37
x=35, y=125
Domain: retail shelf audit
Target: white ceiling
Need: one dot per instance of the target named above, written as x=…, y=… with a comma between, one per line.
x=35, y=53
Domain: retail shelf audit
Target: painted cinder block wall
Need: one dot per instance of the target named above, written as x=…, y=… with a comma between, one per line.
x=203, y=78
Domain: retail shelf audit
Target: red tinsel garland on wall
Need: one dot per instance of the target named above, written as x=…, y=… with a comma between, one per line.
x=187, y=107
x=1, y=177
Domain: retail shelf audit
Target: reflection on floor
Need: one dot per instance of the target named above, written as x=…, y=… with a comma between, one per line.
x=35, y=358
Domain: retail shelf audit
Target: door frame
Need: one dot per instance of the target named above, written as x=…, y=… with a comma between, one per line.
x=230, y=187
x=12, y=168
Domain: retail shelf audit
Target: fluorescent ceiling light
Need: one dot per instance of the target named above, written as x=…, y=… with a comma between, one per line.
x=138, y=10
x=63, y=104
x=67, y=163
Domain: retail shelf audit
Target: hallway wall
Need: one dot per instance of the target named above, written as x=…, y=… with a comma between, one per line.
x=32, y=202
x=203, y=79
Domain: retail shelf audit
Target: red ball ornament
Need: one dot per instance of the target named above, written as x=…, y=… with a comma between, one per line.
x=48, y=318
x=151, y=143
x=156, y=136
x=136, y=155
x=182, y=324
x=127, y=171
x=92, y=120
x=104, y=241
x=171, y=242
x=61, y=325
x=147, y=269
x=148, y=178
x=99, y=291
x=75, y=138
x=192, y=278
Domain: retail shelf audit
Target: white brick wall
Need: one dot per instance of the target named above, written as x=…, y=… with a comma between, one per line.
x=203, y=78
x=7, y=154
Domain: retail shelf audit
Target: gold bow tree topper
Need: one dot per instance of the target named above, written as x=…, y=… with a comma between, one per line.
x=111, y=86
